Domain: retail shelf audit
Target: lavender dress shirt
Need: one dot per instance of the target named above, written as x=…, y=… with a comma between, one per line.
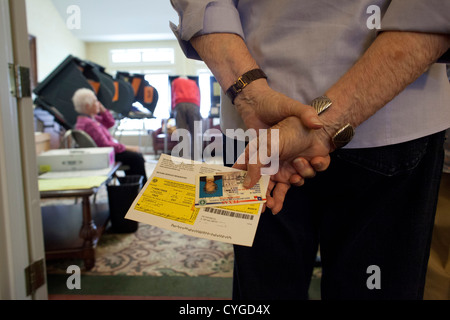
x=306, y=46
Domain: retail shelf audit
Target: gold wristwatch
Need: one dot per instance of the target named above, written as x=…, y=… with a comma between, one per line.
x=345, y=134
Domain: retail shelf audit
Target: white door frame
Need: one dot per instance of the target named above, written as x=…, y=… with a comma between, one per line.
x=21, y=235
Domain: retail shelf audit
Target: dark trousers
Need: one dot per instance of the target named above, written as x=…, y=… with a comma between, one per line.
x=136, y=163
x=372, y=207
x=186, y=114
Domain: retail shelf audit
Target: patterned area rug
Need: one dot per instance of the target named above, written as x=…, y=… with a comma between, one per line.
x=152, y=251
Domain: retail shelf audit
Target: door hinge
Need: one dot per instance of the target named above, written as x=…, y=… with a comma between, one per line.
x=20, y=81
x=35, y=276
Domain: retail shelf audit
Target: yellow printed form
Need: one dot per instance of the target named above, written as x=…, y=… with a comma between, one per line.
x=169, y=199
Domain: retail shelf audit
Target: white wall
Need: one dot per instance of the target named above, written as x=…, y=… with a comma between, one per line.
x=53, y=39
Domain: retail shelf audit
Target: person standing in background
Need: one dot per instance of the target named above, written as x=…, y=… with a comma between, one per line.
x=186, y=106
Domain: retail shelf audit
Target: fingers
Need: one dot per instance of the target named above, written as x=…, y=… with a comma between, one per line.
x=320, y=163
x=288, y=107
x=303, y=168
x=307, y=169
x=249, y=161
x=296, y=180
x=310, y=118
x=278, y=196
x=240, y=166
x=306, y=114
x=270, y=201
x=253, y=175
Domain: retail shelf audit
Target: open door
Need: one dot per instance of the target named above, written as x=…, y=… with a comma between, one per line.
x=22, y=257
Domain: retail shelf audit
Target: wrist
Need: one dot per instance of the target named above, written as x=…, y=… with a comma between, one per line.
x=226, y=55
x=326, y=139
x=252, y=93
x=338, y=128
x=243, y=82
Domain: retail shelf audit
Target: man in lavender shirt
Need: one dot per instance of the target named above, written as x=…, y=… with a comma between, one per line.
x=373, y=63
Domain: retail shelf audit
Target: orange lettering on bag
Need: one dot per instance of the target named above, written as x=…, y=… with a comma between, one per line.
x=148, y=95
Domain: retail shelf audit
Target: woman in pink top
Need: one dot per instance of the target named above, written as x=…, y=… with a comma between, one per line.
x=95, y=120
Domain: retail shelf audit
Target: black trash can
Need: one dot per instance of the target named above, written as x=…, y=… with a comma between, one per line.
x=120, y=197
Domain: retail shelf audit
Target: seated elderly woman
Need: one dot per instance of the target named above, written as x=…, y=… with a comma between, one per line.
x=95, y=120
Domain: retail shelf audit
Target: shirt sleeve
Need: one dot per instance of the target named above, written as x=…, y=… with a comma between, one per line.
x=431, y=16
x=198, y=17
x=106, y=119
x=100, y=136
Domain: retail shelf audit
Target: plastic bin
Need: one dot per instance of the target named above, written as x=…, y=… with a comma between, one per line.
x=120, y=198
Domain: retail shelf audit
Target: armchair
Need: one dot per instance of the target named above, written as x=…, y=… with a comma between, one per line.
x=158, y=141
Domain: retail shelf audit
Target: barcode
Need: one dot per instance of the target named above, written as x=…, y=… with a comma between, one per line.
x=230, y=213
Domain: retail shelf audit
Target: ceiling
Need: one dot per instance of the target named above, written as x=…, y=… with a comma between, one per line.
x=119, y=20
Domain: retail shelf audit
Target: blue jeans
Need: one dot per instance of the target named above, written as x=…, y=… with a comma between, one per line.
x=372, y=207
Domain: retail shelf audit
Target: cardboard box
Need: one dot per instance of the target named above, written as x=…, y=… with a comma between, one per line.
x=76, y=159
x=42, y=141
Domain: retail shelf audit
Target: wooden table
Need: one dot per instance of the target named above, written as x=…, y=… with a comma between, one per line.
x=61, y=224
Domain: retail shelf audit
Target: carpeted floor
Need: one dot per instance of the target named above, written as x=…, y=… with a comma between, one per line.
x=152, y=251
x=151, y=263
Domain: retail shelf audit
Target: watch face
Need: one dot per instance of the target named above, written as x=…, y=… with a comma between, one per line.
x=243, y=81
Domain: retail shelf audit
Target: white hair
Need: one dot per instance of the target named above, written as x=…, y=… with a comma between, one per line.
x=82, y=99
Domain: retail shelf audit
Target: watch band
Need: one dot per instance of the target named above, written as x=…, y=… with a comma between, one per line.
x=244, y=81
x=345, y=134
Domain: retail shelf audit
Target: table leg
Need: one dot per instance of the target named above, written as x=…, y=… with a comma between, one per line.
x=89, y=234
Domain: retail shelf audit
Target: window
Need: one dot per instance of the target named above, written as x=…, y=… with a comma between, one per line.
x=160, y=55
x=204, y=82
x=125, y=56
x=149, y=56
x=161, y=83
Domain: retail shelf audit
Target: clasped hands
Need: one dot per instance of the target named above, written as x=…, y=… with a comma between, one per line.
x=303, y=145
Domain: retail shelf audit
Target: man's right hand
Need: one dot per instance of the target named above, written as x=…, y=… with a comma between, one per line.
x=262, y=107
